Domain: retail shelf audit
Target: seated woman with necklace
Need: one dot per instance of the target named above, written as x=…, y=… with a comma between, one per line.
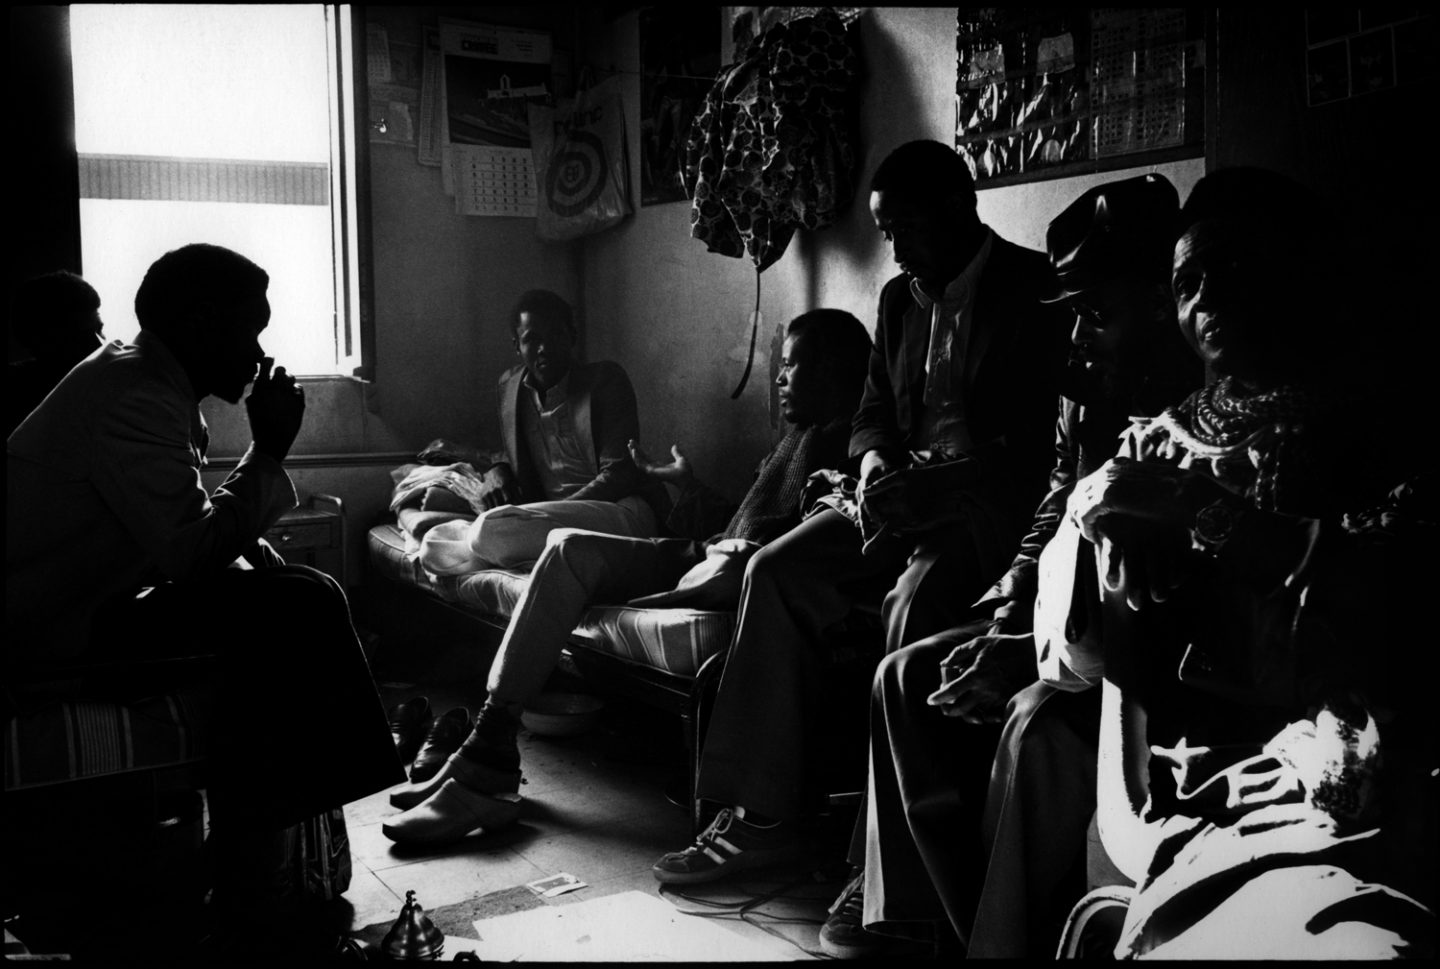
x=1244, y=574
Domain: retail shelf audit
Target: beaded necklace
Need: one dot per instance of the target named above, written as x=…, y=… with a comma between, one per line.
x=1235, y=434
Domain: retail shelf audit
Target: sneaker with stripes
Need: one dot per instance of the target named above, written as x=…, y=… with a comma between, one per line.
x=728, y=845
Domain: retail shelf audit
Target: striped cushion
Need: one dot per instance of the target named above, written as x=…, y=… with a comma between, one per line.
x=77, y=739
x=674, y=640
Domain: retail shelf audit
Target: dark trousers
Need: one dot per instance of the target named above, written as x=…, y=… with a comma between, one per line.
x=296, y=726
x=918, y=838
x=1037, y=813
x=771, y=709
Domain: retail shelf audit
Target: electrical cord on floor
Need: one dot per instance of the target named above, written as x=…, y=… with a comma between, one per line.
x=744, y=910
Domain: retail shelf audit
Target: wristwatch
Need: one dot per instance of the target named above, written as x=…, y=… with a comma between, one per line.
x=1214, y=524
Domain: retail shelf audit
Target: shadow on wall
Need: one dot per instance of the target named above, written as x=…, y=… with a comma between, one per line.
x=846, y=264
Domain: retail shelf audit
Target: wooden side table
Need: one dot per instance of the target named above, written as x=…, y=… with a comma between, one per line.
x=314, y=534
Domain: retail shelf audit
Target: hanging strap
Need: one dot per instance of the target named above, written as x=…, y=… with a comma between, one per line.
x=754, y=329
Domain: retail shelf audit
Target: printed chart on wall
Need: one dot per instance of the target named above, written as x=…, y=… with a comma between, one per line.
x=489, y=73
x=1045, y=93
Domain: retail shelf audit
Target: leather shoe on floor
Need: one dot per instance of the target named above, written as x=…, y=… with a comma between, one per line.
x=474, y=775
x=446, y=735
x=844, y=936
x=451, y=814
x=408, y=723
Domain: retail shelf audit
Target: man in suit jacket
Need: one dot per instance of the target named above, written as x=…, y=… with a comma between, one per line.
x=566, y=427
x=953, y=433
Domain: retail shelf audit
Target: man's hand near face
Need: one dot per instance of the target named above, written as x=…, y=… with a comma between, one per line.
x=276, y=407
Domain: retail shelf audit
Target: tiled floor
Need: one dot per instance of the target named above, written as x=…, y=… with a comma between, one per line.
x=595, y=808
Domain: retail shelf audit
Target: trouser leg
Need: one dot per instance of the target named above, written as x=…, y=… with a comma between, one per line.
x=576, y=569
x=927, y=784
x=297, y=725
x=1041, y=799
x=943, y=576
x=515, y=534
x=767, y=707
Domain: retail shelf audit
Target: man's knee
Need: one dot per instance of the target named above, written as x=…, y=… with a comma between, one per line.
x=564, y=540
x=1042, y=717
x=580, y=550
x=908, y=672
x=789, y=560
x=766, y=565
x=290, y=588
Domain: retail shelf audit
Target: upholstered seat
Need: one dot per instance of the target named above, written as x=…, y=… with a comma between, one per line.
x=676, y=641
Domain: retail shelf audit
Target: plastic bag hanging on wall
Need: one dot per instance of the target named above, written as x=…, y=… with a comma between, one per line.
x=581, y=167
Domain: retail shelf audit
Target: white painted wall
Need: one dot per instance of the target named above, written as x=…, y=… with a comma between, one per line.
x=676, y=316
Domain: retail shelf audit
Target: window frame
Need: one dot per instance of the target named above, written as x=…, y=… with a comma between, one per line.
x=354, y=179
x=348, y=177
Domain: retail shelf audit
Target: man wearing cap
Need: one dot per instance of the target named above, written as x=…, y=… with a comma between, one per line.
x=919, y=860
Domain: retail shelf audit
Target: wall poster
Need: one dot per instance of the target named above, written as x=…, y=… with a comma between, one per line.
x=1052, y=92
x=489, y=74
x=679, y=60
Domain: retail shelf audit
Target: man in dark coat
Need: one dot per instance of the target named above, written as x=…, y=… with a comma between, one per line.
x=919, y=849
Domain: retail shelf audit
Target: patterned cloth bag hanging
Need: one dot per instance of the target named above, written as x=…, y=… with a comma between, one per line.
x=773, y=149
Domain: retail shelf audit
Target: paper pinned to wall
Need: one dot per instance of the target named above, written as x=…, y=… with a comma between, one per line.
x=392, y=114
x=377, y=54
x=428, y=139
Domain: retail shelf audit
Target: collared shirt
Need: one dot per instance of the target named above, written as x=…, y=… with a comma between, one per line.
x=557, y=451
x=943, y=422
x=104, y=497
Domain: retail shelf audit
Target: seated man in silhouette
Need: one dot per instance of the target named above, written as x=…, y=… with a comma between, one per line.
x=565, y=463
x=822, y=372
x=115, y=552
x=55, y=318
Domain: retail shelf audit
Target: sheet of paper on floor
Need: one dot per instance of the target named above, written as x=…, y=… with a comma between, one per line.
x=626, y=927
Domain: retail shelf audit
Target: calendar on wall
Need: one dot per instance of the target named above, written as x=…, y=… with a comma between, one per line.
x=489, y=76
x=494, y=181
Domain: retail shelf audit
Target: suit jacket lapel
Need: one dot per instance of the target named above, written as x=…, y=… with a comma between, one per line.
x=989, y=316
x=915, y=339
x=580, y=399
x=510, y=415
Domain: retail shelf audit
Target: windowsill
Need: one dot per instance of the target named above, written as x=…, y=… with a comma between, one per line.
x=344, y=460
x=339, y=426
x=321, y=378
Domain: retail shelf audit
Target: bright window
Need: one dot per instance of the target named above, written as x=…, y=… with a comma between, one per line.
x=224, y=124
